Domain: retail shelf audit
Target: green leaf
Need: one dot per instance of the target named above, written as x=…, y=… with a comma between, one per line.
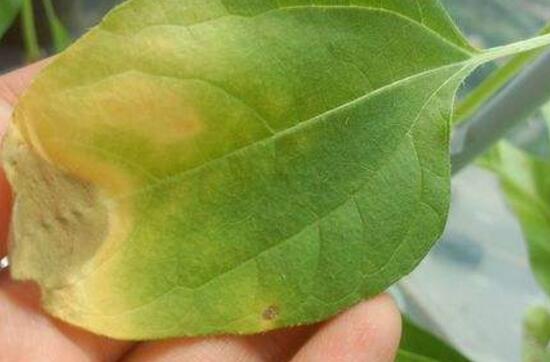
x=60, y=36
x=420, y=345
x=525, y=180
x=536, y=346
x=201, y=167
x=8, y=13
x=546, y=114
x=495, y=82
x=405, y=356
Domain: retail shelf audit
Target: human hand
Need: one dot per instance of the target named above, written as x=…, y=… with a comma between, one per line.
x=369, y=331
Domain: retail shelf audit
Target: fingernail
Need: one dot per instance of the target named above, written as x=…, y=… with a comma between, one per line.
x=6, y=111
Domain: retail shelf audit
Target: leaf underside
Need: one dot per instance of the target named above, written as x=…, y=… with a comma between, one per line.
x=204, y=167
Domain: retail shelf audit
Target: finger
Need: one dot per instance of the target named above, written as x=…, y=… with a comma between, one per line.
x=12, y=85
x=273, y=346
x=368, y=332
x=5, y=192
x=26, y=334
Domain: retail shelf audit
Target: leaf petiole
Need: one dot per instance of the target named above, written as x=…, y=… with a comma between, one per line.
x=29, y=31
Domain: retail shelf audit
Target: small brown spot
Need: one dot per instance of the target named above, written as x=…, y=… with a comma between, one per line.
x=45, y=225
x=271, y=313
x=77, y=214
x=61, y=219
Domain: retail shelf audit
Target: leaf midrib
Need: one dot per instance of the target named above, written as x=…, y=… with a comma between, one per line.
x=304, y=123
x=198, y=168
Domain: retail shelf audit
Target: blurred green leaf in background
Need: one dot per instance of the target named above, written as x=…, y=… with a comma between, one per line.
x=537, y=335
x=32, y=48
x=495, y=82
x=60, y=36
x=32, y=42
x=525, y=180
x=8, y=13
x=417, y=345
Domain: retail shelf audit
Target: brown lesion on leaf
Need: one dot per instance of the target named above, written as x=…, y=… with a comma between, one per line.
x=45, y=224
x=61, y=219
x=50, y=244
x=271, y=313
x=77, y=214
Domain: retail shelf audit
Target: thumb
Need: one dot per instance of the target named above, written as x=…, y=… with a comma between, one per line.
x=6, y=110
x=12, y=85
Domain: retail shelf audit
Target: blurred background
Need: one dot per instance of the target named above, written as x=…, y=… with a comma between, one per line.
x=475, y=286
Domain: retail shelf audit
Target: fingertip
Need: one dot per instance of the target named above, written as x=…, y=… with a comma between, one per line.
x=370, y=331
x=383, y=308
x=13, y=84
x=5, y=190
x=6, y=110
x=5, y=214
x=381, y=327
x=27, y=334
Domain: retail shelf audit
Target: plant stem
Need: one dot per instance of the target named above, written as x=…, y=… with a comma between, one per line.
x=29, y=32
x=524, y=95
x=498, y=79
x=60, y=36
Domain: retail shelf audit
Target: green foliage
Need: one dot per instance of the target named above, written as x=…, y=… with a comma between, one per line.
x=60, y=36
x=419, y=345
x=32, y=47
x=236, y=166
x=525, y=180
x=9, y=9
x=546, y=114
x=536, y=347
x=495, y=82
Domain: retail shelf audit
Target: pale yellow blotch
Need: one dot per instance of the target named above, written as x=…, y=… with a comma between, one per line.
x=116, y=116
x=151, y=107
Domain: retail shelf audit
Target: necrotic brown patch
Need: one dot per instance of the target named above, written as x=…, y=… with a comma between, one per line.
x=270, y=313
x=50, y=243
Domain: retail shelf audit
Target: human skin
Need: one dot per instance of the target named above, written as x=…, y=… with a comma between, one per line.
x=369, y=331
